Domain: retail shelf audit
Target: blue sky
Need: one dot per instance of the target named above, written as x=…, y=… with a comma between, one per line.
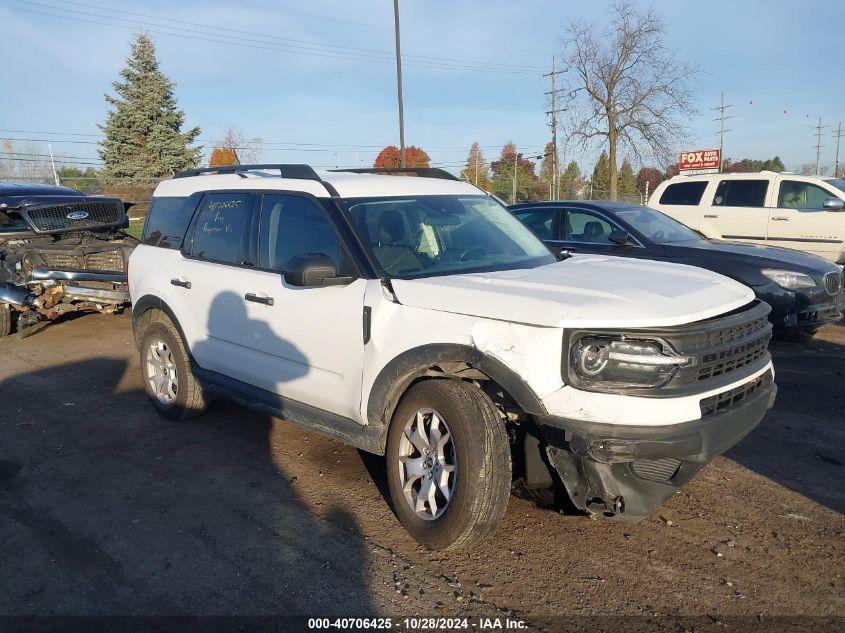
x=775, y=61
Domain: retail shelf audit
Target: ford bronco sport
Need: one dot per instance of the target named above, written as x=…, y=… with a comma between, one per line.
x=60, y=251
x=416, y=318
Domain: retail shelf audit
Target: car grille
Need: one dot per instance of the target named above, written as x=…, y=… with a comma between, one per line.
x=95, y=214
x=721, y=401
x=103, y=261
x=723, y=345
x=833, y=282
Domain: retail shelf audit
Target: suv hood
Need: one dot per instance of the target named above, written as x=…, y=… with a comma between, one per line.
x=584, y=291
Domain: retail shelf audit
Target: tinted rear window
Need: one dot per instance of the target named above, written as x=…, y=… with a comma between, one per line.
x=168, y=220
x=684, y=193
x=741, y=193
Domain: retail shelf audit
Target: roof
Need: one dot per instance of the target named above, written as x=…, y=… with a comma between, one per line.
x=608, y=205
x=347, y=184
x=747, y=175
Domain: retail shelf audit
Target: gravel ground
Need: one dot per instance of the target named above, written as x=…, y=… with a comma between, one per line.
x=105, y=508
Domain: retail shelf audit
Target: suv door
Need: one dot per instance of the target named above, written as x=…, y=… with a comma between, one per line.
x=800, y=221
x=306, y=342
x=682, y=200
x=203, y=280
x=739, y=209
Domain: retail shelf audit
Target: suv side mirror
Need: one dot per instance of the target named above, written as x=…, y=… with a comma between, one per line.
x=833, y=204
x=313, y=269
x=621, y=237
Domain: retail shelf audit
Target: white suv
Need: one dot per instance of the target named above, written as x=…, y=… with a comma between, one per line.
x=416, y=318
x=804, y=213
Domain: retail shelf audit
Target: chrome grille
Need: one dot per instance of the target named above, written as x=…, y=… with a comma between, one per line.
x=833, y=282
x=108, y=261
x=84, y=215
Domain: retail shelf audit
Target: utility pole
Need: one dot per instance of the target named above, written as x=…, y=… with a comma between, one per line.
x=837, y=136
x=555, y=184
x=515, y=159
x=399, y=84
x=722, y=108
x=819, y=145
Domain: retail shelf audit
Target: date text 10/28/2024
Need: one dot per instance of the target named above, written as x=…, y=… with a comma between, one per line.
x=417, y=624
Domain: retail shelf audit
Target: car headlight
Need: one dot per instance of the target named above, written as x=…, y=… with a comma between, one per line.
x=789, y=279
x=607, y=362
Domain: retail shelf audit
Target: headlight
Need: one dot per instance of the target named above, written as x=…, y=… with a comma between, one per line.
x=607, y=362
x=788, y=279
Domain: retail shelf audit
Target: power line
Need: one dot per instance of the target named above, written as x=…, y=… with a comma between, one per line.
x=249, y=42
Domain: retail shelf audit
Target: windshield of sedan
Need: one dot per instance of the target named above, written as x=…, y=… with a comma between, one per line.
x=423, y=236
x=657, y=227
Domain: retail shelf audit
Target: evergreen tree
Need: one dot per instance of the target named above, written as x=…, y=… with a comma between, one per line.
x=144, y=141
x=601, y=177
x=627, y=182
x=571, y=182
x=477, y=171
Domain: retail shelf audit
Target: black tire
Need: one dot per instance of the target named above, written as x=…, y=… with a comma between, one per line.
x=6, y=320
x=190, y=400
x=482, y=455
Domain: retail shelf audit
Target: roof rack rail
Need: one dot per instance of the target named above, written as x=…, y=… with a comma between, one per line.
x=421, y=172
x=301, y=172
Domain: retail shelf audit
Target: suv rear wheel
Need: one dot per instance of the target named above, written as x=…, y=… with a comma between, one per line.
x=448, y=464
x=166, y=372
x=5, y=319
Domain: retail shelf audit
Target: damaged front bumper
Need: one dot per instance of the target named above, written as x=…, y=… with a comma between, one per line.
x=626, y=472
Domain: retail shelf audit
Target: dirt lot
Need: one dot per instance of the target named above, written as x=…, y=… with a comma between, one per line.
x=106, y=508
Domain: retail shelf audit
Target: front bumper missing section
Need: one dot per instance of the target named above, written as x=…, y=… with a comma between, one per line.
x=625, y=473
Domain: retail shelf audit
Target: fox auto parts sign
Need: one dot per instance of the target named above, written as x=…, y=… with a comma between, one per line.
x=700, y=161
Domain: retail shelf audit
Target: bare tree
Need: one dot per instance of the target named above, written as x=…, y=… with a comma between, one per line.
x=626, y=87
x=246, y=150
x=24, y=161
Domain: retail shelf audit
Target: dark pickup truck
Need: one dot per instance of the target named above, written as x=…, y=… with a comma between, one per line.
x=60, y=251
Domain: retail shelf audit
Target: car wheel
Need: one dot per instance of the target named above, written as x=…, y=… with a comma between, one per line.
x=448, y=464
x=166, y=371
x=6, y=319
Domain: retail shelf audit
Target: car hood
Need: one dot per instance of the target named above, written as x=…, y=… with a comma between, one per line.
x=753, y=254
x=583, y=291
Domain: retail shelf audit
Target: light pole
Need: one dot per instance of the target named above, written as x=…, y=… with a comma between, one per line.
x=399, y=84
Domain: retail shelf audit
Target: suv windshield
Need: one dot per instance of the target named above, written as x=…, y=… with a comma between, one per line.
x=657, y=227
x=423, y=236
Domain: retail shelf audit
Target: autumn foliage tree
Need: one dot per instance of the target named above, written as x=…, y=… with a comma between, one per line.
x=513, y=165
x=389, y=158
x=649, y=176
x=221, y=156
x=477, y=171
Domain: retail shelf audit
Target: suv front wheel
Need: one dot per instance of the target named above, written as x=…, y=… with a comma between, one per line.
x=448, y=464
x=166, y=371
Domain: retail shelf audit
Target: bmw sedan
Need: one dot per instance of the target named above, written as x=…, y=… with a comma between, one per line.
x=805, y=291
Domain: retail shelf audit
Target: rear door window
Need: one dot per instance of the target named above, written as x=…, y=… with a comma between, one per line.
x=684, y=193
x=222, y=231
x=741, y=193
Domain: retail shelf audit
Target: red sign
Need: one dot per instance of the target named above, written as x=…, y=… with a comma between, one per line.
x=700, y=159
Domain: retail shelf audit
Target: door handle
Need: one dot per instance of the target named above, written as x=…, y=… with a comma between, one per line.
x=710, y=216
x=251, y=296
x=182, y=283
x=780, y=218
